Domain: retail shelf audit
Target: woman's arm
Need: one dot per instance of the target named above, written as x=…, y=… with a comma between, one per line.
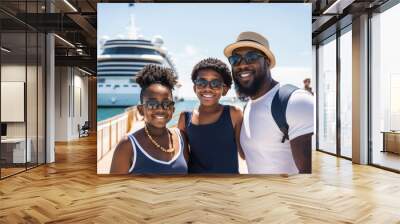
x=237, y=119
x=122, y=158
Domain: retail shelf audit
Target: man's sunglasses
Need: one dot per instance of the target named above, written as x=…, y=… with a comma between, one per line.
x=214, y=84
x=249, y=57
x=154, y=104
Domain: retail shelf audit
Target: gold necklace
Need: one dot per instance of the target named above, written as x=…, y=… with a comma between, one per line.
x=171, y=147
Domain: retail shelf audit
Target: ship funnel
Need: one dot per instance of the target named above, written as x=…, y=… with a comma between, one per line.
x=132, y=29
x=158, y=40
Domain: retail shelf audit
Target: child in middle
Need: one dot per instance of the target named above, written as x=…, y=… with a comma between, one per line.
x=212, y=129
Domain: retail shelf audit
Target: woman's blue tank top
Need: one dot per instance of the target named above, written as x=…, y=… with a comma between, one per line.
x=143, y=163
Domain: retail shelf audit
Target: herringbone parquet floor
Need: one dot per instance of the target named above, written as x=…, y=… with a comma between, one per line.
x=70, y=191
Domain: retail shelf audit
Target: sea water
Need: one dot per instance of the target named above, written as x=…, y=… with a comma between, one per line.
x=180, y=106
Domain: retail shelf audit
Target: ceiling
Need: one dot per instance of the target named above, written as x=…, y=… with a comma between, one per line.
x=76, y=21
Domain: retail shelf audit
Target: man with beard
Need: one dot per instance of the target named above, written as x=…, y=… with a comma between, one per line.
x=278, y=120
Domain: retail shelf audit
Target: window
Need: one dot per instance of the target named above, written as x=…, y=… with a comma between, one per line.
x=130, y=50
x=327, y=96
x=22, y=63
x=385, y=89
x=346, y=93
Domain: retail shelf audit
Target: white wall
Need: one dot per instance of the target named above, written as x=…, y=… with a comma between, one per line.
x=34, y=124
x=61, y=103
x=12, y=73
x=71, y=94
x=80, y=115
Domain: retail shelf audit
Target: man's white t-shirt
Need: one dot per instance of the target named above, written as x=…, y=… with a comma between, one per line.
x=260, y=136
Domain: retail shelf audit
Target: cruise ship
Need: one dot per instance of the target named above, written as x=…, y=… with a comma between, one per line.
x=118, y=65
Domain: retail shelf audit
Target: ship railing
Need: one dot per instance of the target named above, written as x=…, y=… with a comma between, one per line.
x=111, y=131
x=109, y=134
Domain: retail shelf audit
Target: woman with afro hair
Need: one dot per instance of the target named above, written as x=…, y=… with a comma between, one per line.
x=154, y=149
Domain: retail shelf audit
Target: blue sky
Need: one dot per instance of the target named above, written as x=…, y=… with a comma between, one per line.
x=192, y=32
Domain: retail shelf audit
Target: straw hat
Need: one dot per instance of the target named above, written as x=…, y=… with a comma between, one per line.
x=253, y=40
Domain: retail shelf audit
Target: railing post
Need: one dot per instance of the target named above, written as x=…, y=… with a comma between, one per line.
x=109, y=136
x=116, y=134
x=116, y=127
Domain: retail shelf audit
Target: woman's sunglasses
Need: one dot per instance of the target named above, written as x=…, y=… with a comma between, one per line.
x=154, y=104
x=214, y=84
x=249, y=57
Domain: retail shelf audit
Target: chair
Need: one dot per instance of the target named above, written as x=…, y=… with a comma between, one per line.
x=84, y=130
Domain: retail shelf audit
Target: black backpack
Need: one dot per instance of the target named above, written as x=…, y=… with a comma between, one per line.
x=278, y=108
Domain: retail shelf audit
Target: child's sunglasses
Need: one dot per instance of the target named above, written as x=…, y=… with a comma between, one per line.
x=214, y=84
x=154, y=104
x=249, y=57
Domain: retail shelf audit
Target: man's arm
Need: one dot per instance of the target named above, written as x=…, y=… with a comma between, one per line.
x=237, y=119
x=300, y=117
x=301, y=151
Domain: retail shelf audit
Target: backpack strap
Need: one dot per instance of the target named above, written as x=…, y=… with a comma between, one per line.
x=278, y=108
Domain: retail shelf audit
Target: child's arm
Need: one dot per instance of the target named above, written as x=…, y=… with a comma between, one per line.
x=181, y=122
x=122, y=158
x=182, y=128
x=186, y=146
x=237, y=119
